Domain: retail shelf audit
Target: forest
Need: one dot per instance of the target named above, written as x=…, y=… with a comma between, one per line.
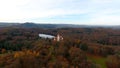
x=80, y=48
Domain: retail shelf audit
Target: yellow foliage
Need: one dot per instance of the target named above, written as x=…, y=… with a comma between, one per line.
x=16, y=55
x=26, y=53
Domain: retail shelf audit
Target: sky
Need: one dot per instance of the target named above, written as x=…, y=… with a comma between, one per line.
x=85, y=12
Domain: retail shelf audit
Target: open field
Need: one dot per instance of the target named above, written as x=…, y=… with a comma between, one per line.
x=98, y=60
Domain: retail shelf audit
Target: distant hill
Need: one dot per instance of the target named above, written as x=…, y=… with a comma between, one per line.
x=33, y=25
x=28, y=25
x=5, y=24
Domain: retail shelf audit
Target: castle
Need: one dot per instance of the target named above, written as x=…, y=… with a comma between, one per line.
x=55, y=38
x=58, y=38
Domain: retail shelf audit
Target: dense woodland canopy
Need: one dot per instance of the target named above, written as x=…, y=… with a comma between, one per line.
x=22, y=48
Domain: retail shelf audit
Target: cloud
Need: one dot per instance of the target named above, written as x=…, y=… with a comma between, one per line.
x=91, y=10
x=36, y=8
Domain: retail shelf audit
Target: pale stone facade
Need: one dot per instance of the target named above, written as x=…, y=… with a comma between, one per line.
x=58, y=38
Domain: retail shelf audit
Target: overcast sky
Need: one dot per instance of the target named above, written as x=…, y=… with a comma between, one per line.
x=90, y=12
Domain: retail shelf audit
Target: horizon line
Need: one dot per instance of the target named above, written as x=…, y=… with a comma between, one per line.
x=63, y=23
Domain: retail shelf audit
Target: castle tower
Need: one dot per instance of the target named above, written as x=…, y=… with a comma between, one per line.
x=58, y=38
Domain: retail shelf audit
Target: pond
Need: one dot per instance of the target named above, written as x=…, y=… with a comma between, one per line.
x=46, y=36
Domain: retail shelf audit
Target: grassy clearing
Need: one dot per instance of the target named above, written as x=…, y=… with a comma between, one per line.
x=98, y=60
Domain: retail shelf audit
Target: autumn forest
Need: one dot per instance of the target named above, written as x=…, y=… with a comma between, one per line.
x=80, y=48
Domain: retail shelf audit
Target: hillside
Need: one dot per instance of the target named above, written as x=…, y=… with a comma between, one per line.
x=33, y=25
